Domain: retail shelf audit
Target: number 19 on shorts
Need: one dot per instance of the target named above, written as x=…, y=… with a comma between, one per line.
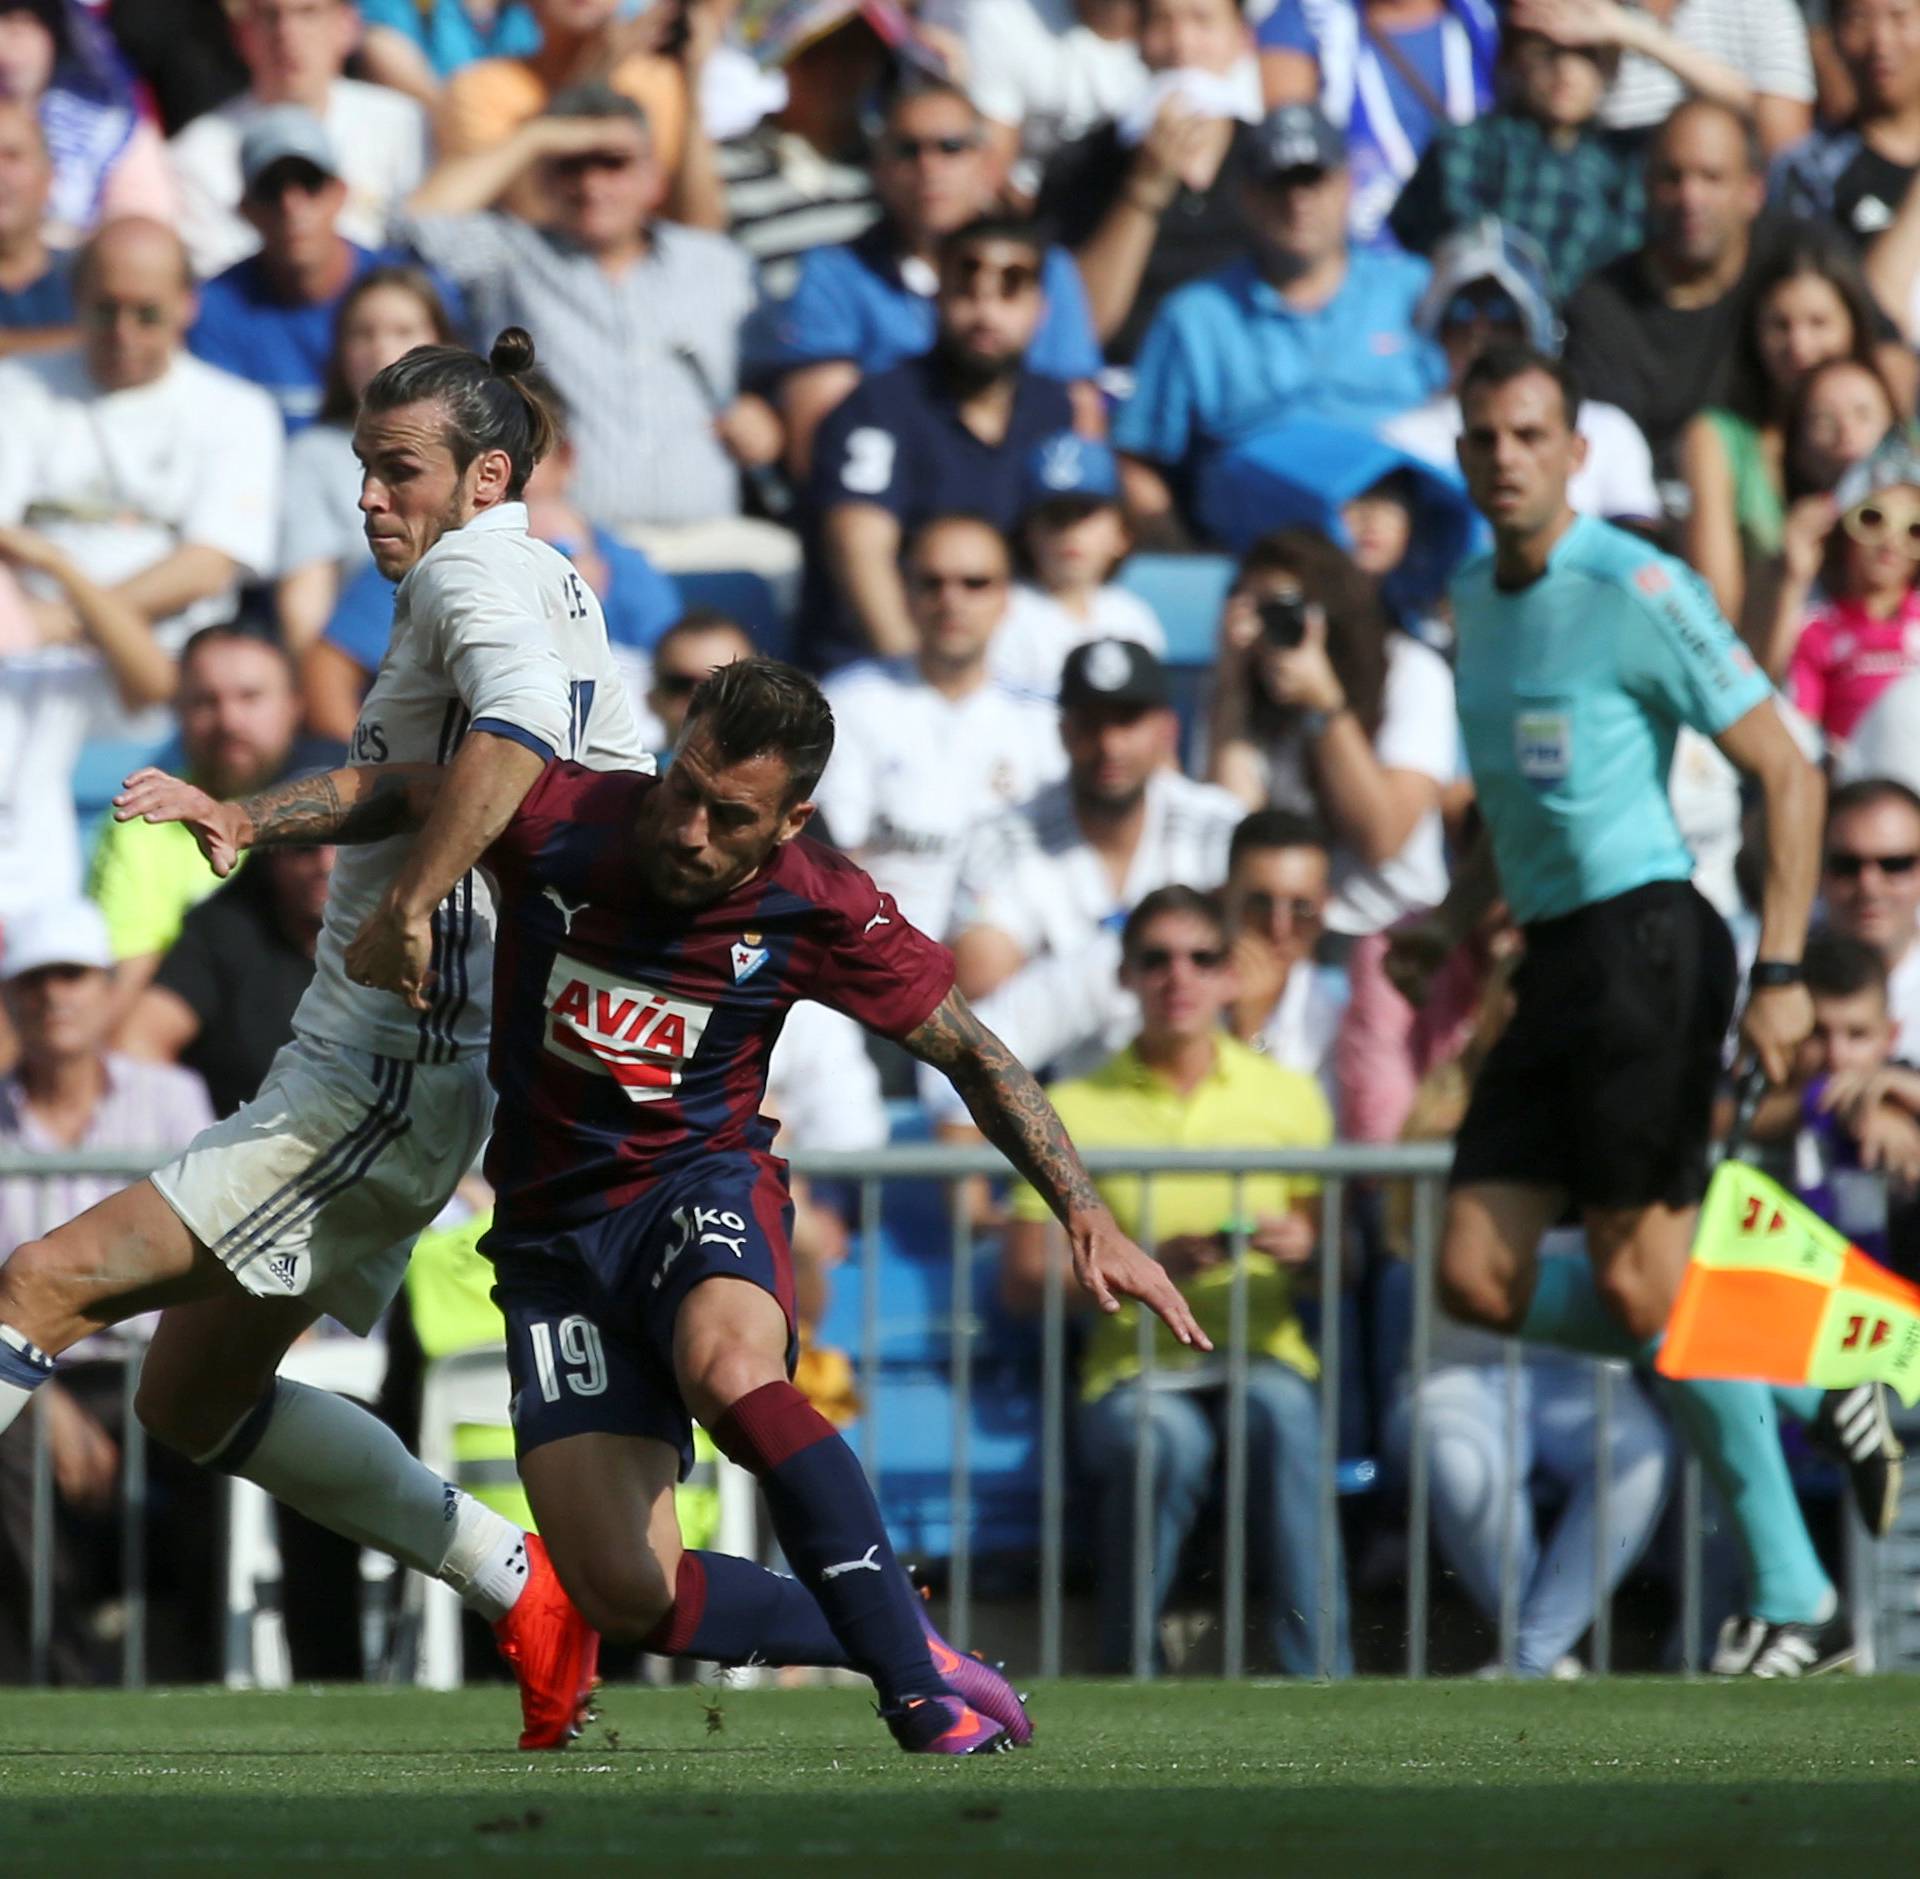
x=573, y=1347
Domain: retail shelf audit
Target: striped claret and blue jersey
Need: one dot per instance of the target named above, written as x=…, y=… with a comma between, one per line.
x=631, y=1035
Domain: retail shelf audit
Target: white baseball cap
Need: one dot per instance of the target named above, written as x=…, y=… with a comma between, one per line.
x=68, y=933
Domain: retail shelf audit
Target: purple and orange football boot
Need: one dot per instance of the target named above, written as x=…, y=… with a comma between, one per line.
x=944, y=1725
x=975, y=1681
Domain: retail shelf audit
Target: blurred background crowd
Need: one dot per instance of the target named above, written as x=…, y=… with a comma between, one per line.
x=1070, y=383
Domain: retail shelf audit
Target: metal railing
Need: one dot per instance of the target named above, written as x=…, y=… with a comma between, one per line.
x=1336, y=1168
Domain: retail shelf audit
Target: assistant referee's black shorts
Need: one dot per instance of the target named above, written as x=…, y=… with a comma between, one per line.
x=1603, y=1082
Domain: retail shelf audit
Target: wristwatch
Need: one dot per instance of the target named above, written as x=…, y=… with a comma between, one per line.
x=1767, y=973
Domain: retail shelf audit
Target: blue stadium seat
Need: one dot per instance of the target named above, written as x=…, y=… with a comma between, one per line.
x=743, y=596
x=104, y=764
x=1187, y=592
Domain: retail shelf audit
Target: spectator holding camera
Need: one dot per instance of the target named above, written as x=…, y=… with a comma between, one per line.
x=1183, y=1080
x=1322, y=708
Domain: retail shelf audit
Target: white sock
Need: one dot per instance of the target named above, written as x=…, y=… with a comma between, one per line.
x=342, y=1466
x=486, y=1561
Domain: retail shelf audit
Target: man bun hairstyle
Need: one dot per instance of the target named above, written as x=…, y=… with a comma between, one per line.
x=765, y=708
x=488, y=403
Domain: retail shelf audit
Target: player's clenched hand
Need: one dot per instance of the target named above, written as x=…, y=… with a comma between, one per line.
x=1110, y=1267
x=1777, y=1021
x=393, y=952
x=222, y=829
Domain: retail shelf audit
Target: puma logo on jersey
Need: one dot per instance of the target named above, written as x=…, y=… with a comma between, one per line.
x=567, y=908
x=879, y=919
x=638, y=1036
x=865, y=1563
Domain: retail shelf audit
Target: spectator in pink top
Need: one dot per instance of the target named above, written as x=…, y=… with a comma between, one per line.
x=1864, y=631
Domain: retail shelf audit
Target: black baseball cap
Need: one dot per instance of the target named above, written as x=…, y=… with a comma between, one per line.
x=1297, y=137
x=1113, y=672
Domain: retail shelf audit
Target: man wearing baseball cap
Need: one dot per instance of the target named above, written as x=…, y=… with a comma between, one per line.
x=269, y=318
x=1045, y=887
x=1305, y=325
x=68, y=1091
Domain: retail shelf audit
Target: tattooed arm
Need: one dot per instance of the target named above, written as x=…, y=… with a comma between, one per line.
x=354, y=805
x=1015, y=1116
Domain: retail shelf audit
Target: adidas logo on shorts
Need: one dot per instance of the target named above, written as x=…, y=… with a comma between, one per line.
x=286, y=1268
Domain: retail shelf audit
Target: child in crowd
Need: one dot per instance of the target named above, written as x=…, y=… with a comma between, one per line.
x=1856, y=1107
x=1862, y=631
x=1071, y=541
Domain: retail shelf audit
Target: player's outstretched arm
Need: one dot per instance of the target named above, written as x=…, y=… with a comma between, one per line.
x=485, y=783
x=1015, y=1116
x=353, y=805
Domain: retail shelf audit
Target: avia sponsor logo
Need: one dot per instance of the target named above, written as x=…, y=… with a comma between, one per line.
x=639, y=1037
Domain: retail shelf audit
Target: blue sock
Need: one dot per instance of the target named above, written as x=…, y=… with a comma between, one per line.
x=828, y=1525
x=1801, y=1401
x=1731, y=1426
x=731, y=1611
x=23, y=1368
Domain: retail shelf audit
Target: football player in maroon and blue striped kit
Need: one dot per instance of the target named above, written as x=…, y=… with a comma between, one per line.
x=653, y=934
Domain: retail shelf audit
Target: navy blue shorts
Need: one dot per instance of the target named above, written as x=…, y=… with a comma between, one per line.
x=590, y=1310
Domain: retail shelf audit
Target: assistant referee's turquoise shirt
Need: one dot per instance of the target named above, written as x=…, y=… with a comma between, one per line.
x=1572, y=692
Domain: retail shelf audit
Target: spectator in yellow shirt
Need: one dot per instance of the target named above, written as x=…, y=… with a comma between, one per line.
x=1184, y=1082
x=239, y=717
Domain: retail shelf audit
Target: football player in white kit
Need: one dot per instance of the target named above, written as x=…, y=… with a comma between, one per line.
x=307, y=1200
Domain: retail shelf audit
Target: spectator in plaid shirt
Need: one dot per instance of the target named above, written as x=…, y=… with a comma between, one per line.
x=1540, y=163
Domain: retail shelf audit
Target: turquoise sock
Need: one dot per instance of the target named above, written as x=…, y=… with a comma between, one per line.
x=1732, y=1428
x=1801, y=1401
x=1566, y=1311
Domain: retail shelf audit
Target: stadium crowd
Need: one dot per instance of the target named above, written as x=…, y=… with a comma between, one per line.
x=1071, y=384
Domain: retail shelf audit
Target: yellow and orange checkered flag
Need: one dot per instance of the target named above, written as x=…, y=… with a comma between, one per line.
x=1774, y=1294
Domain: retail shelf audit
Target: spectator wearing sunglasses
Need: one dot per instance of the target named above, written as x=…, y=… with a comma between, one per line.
x=1870, y=882
x=1862, y=633
x=958, y=429
x=868, y=306
x=639, y=322
x=1183, y=1081
x=702, y=640
x=1304, y=326
x=1489, y=287
x=269, y=319
x=1278, y=869
x=1541, y=163
x=929, y=747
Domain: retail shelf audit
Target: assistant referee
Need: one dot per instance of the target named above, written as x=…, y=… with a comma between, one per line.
x=1582, y=653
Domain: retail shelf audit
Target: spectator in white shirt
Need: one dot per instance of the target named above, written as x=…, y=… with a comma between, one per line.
x=1489, y=287
x=1045, y=888
x=70, y=1092
x=1275, y=896
x=1323, y=708
x=929, y=747
x=157, y=474
x=295, y=51
x=1072, y=541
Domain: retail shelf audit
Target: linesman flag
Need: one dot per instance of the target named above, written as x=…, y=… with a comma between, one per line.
x=1774, y=1294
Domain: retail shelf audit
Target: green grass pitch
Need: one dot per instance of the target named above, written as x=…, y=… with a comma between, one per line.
x=1380, y=1779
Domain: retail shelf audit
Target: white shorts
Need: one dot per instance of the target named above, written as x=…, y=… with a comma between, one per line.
x=318, y=1188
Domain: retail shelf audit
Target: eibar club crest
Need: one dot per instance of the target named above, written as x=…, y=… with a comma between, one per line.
x=748, y=957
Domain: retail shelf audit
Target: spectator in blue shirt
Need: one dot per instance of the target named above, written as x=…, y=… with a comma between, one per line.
x=36, y=288
x=955, y=431
x=270, y=317
x=1304, y=327
x=413, y=44
x=1390, y=73
x=868, y=305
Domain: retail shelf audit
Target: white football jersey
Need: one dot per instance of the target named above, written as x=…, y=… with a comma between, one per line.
x=491, y=630
x=914, y=772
